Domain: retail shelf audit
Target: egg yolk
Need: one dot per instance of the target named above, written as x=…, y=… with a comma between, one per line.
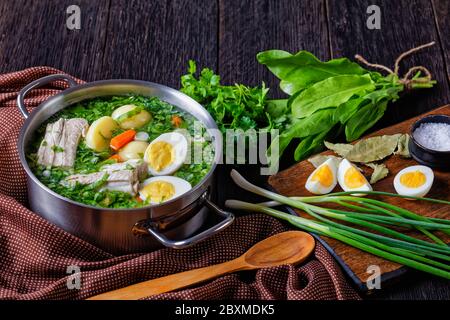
x=158, y=191
x=353, y=178
x=413, y=179
x=323, y=175
x=161, y=154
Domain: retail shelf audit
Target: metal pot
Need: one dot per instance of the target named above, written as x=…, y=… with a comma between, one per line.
x=171, y=224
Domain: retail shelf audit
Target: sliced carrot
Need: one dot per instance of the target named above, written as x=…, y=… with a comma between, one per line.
x=122, y=139
x=115, y=157
x=177, y=121
x=138, y=199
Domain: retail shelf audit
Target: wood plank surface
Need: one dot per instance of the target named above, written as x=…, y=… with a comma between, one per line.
x=441, y=10
x=248, y=27
x=34, y=33
x=404, y=24
x=153, y=40
x=291, y=182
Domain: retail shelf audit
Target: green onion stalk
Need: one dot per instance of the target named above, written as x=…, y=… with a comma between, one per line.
x=375, y=206
x=390, y=244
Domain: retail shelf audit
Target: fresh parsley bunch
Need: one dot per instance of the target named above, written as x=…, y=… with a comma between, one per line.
x=232, y=106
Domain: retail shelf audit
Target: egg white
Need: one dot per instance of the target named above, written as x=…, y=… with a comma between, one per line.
x=342, y=169
x=179, y=144
x=316, y=187
x=414, y=192
x=181, y=186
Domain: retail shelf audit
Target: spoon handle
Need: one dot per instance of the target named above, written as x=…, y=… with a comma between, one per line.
x=173, y=281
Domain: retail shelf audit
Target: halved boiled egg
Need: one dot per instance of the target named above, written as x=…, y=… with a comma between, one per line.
x=323, y=179
x=163, y=188
x=351, y=179
x=166, y=154
x=414, y=181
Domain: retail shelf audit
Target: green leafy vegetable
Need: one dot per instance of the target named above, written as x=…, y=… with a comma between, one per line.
x=358, y=97
x=330, y=92
x=317, y=123
x=364, y=119
x=299, y=71
x=233, y=107
x=310, y=145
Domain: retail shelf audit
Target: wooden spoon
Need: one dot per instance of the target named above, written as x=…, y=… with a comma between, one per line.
x=289, y=247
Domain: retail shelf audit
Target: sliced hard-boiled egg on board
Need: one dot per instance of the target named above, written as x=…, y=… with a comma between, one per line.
x=100, y=132
x=162, y=188
x=166, y=154
x=133, y=150
x=131, y=117
x=351, y=179
x=323, y=179
x=414, y=181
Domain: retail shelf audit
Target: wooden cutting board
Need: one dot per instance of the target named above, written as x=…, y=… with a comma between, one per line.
x=291, y=182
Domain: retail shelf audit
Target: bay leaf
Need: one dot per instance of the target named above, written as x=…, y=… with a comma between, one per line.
x=341, y=149
x=402, y=146
x=380, y=171
x=320, y=158
x=373, y=149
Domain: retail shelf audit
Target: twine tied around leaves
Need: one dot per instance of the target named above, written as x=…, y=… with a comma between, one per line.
x=407, y=81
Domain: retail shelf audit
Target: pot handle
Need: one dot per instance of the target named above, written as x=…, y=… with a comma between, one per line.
x=38, y=83
x=180, y=244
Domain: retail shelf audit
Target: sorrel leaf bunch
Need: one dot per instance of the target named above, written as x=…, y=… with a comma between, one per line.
x=330, y=98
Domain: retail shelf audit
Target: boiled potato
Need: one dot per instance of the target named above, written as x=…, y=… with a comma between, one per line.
x=133, y=150
x=129, y=117
x=100, y=132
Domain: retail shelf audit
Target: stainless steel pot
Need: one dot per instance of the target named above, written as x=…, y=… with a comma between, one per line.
x=172, y=224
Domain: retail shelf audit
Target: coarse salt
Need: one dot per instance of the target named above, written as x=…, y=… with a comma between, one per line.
x=434, y=136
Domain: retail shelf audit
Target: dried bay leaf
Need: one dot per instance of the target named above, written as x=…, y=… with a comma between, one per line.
x=374, y=148
x=341, y=149
x=319, y=159
x=402, y=146
x=380, y=171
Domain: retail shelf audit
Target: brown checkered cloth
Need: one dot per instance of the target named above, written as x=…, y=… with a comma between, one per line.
x=34, y=254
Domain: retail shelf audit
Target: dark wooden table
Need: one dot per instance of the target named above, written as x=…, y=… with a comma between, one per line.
x=153, y=40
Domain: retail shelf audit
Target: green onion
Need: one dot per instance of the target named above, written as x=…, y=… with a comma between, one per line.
x=372, y=214
x=363, y=243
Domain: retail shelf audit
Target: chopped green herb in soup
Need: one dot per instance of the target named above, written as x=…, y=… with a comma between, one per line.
x=121, y=152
